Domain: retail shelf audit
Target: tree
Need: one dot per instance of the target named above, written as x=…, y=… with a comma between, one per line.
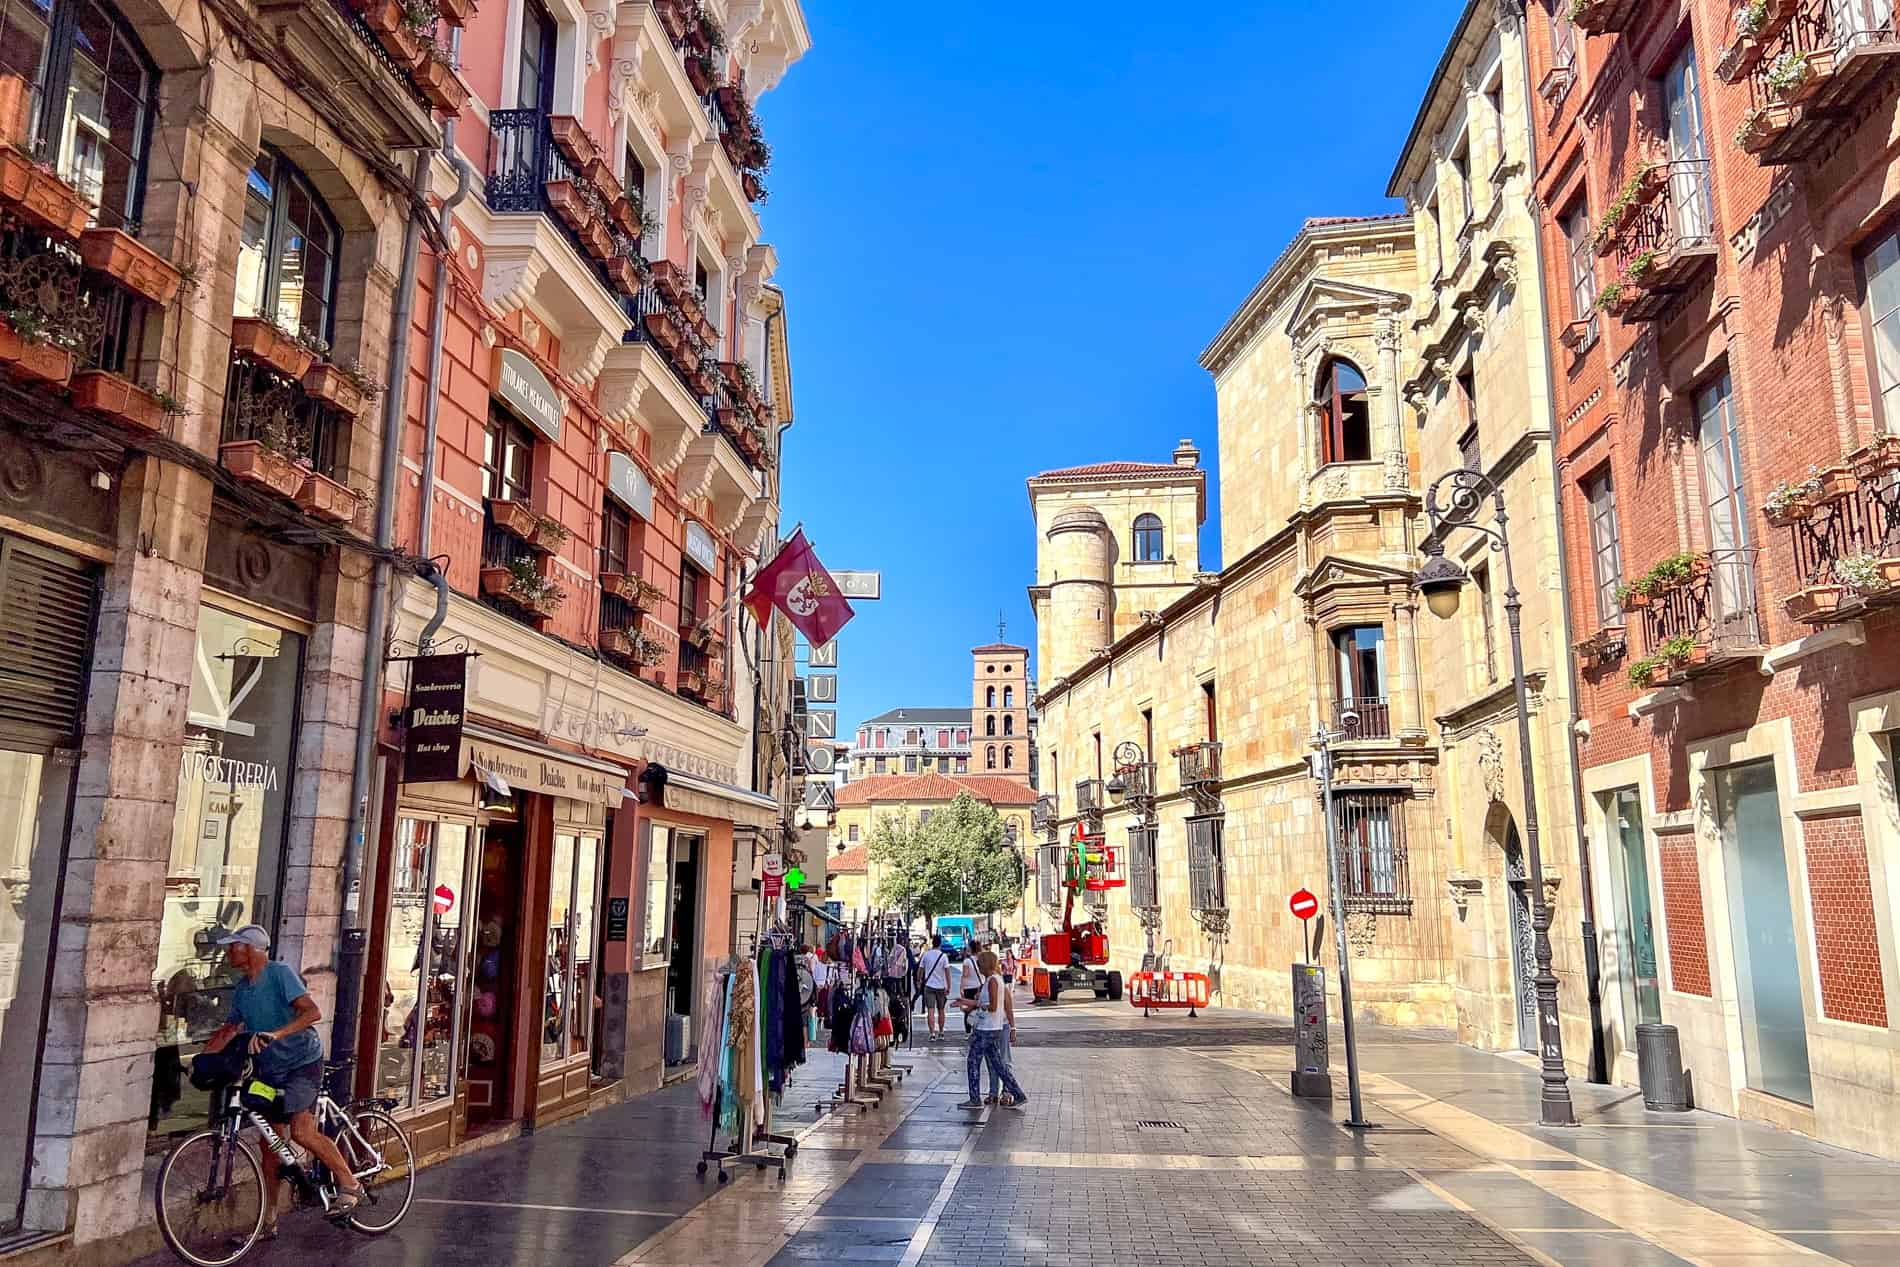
x=955, y=861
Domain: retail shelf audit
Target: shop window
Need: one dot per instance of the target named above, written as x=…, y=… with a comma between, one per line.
x=1345, y=414
x=1373, y=866
x=1148, y=539
x=567, y=1007
x=92, y=92
x=225, y=867
x=655, y=904
x=287, y=249
x=423, y=963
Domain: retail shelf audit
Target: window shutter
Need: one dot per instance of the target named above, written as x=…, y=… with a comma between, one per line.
x=46, y=602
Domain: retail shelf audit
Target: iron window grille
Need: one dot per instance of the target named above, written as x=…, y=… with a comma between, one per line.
x=1043, y=815
x=1049, y=875
x=1088, y=796
x=1373, y=868
x=1143, y=888
x=1207, y=862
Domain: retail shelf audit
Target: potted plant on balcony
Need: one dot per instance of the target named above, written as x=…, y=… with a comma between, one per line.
x=1634, y=595
x=1865, y=573
x=1816, y=604
x=1875, y=459
x=550, y=534
x=262, y=340
x=1683, y=652
x=663, y=327
x=669, y=280
x=1837, y=482
x=1792, y=501
x=754, y=185
x=1642, y=673
x=131, y=263
x=399, y=26
x=325, y=498
x=1642, y=269
x=701, y=71
x=272, y=458
x=34, y=347
x=527, y=587
x=1793, y=76
x=693, y=680
x=1762, y=125
x=124, y=401
x=572, y=139
x=435, y=77
x=344, y=385
x=1616, y=296
x=625, y=272
x=514, y=517
x=674, y=15
x=34, y=192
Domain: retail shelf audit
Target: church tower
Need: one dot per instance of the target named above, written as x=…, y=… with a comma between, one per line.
x=999, y=711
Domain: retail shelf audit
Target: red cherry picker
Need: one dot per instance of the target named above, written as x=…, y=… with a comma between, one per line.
x=1075, y=956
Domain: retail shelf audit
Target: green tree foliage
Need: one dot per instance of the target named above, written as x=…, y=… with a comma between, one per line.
x=954, y=863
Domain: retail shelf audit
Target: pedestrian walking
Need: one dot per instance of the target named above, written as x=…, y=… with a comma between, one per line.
x=986, y=1046
x=934, y=966
x=997, y=1095
x=970, y=980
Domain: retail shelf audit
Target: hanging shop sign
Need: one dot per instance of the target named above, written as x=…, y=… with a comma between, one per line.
x=700, y=547
x=628, y=484
x=860, y=584
x=438, y=707
x=825, y=655
x=526, y=390
x=530, y=772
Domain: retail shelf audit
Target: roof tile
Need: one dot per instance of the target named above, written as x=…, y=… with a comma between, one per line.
x=993, y=788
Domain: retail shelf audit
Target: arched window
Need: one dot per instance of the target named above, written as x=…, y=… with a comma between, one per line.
x=989, y=725
x=989, y=698
x=286, y=266
x=1148, y=539
x=1009, y=723
x=1345, y=415
x=1009, y=697
x=92, y=89
x=1009, y=757
x=989, y=757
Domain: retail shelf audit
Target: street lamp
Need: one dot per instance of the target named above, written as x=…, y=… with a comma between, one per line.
x=1440, y=581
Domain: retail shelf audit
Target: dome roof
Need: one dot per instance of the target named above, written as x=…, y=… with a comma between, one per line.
x=1079, y=517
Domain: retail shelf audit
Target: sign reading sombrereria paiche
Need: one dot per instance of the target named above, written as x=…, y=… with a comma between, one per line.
x=438, y=705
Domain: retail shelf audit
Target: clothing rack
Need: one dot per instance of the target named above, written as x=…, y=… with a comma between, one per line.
x=752, y=1141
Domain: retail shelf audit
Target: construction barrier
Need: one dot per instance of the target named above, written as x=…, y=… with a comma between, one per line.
x=1150, y=990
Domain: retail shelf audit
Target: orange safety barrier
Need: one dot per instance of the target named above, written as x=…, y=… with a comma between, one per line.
x=1148, y=990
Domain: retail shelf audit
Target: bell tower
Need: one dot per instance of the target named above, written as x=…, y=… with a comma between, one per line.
x=999, y=711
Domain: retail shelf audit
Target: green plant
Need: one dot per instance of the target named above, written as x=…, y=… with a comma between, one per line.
x=188, y=277
x=358, y=376
x=550, y=531
x=1620, y=205
x=1750, y=18
x=36, y=326
x=1643, y=671
x=169, y=404
x=1860, y=572
x=1750, y=127
x=1786, y=493
x=1678, y=649
x=528, y=587
x=1788, y=72
x=279, y=431
x=418, y=15
x=1576, y=9
x=1611, y=296
x=1675, y=570
x=1644, y=264
x=709, y=30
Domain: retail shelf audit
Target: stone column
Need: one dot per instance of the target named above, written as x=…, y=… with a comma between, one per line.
x=96, y=1075
x=1386, y=338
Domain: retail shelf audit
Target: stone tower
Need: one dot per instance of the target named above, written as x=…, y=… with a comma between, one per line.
x=999, y=711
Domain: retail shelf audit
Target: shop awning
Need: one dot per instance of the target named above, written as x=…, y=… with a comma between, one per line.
x=708, y=798
x=510, y=764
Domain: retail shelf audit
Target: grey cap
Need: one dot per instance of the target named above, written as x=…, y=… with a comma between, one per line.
x=252, y=935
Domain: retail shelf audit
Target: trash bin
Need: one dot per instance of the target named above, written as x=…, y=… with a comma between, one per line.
x=1659, y=1069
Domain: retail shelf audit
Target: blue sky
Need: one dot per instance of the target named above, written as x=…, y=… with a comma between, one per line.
x=1005, y=238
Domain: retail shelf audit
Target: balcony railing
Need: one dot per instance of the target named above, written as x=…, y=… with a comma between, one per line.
x=1207, y=862
x=1602, y=16
x=1715, y=611
x=1089, y=799
x=1374, y=867
x=1043, y=815
x=1199, y=764
x=523, y=163
x=1814, y=63
x=1143, y=889
x=1363, y=717
x=1846, y=539
x=261, y=404
x=1667, y=242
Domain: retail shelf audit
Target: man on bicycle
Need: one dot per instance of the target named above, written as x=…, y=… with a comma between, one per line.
x=273, y=1004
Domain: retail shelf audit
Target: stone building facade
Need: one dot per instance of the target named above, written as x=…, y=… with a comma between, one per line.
x=1718, y=187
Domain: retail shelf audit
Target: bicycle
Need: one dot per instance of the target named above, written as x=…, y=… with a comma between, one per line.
x=210, y=1189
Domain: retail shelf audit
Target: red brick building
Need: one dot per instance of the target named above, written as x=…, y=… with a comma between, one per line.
x=1719, y=191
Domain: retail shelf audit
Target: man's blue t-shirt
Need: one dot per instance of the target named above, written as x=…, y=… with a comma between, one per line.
x=265, y=1004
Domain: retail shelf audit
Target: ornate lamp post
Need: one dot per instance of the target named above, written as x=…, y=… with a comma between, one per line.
x=1456, y=500
x=1134, y=784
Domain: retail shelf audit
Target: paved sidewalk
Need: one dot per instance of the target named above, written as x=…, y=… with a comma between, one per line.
x=1166, y=1142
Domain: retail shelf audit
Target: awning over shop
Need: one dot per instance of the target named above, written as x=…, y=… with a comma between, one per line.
x=508, y=764
x=707, y=798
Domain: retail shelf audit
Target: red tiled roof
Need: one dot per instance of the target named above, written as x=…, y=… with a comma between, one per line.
x=1114, y=468
x=851, y=860
x=997, y=646
x=1321, y=221
x=992, y=788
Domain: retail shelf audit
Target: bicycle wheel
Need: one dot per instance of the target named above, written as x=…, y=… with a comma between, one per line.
x=379, y=1155
x=210, y=1198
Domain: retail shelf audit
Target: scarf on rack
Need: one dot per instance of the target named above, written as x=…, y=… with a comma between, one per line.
x=713, y=1028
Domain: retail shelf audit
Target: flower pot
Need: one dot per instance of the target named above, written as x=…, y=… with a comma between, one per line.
x=1650, y=182
x=708, y=333
x=663, y=330
x=1636, y=602
x=571, y=138
x=514, y=517
x=619, y=584
x=754, y=186
x=599, y=240
x=1738, y=59
x=669, y=280
x=259, y=341
x=1765, y=125
x=324, y=498
x=624, y=218
x=118, y=398
x=568, y=202
x=1798, y=511
x=329, y=383
x=1816, y=603
x=617, y=642
x=37, y=194
x=496, y=580
x=673, y=15
x=455, y=12
x=252, y=463
x=399, y=40
x=692, y=680
x=41, y=362
x=624, y=274
x=437, y=80
x=1877, y=459
x=1838, y=482
x=1890, y=571
x=131, y=263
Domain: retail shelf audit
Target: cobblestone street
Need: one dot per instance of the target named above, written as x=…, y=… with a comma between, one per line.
x=1161, y=1143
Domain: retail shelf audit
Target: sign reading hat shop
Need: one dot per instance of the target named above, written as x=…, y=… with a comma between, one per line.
x=628, y=485
x=432, y=734
x=526, y=390
x=516, y=770
x=700, y=548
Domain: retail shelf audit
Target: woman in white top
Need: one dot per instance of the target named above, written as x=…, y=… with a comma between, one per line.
x=972, y=978
x=934, y=968
x=986, y=1039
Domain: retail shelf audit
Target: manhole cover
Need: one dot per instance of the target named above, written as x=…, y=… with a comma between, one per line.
x=1156, y=1124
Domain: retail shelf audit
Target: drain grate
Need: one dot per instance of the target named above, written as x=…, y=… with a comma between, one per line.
x=1158, y=1124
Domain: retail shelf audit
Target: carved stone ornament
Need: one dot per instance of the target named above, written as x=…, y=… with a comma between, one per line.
x=1386, y=335
x=1463, y=889
x=1362, y=929
x=1491, y=763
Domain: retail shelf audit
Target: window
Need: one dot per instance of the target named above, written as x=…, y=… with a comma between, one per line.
x=616, y=540
x=1461, y=163
x=1148, y=539
x=963, y=737
x=573, y=897
x=963, y=765
x=851, y=833
x=923, y=817
x=92, y=89
x=1487, y=620
x=910, y=764
x=1724, y=499
x=1009, y=755
x=1581, y=248
x=1494, y=98
x=1435, y=231
x=883, y=738
x=1345, y=416
x=1606, y=547
x=989, y=697
x=656, y=912
x=1359, y=655
x=1688, y=149
x=1009, y=723
x=913, y=736
x=507, y=457
x=429, y=858
x=1373, y=867
x=692, y=594
x=1098, y=755
x=535, y=88
x=883, y=765
x=1563, y=36
x=989, y=757
x=943, y=739
x=1009, y=697
x=1210, y=715
x=634, y=178
x=1468, y=442
x=287, y=248
x=989, y=726
x=1880, y=304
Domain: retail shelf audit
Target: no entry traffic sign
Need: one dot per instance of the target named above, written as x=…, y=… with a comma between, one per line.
x=444, y=899
x=1303, y=905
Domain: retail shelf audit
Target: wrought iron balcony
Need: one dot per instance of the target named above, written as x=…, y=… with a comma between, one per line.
x=1809, y=69
x=1600, y=17
x=1667, y=242
x=1710, y=618
x=1363, y=717
x=1089, y=797
x=529, y=174
x=1043, y=815
x=1846, y=537
x=1199, y=764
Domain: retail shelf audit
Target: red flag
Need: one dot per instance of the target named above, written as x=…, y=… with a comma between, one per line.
x=797, y=584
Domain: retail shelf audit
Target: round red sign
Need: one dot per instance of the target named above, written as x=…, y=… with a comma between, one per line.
x=444, y=899
x=1303, y=904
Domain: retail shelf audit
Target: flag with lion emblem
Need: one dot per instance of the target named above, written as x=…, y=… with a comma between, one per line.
x=797, y=584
